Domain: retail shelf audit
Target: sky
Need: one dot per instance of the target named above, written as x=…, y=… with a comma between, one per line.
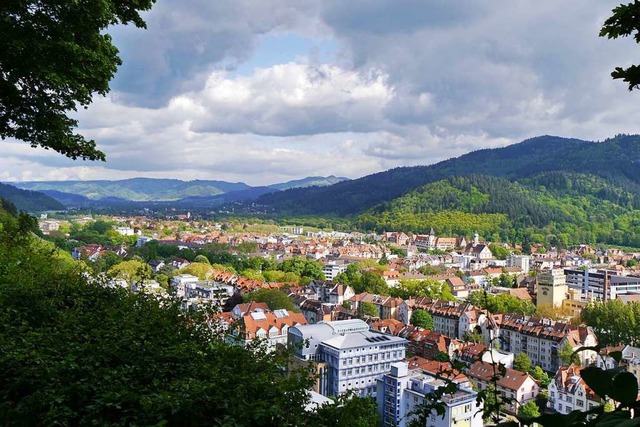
x=262, y=92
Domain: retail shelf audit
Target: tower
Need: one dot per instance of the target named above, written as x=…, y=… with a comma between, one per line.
x=552, y=288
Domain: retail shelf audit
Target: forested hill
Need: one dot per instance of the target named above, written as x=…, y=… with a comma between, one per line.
x=617, y=160
x=29, y=201
x=562, y=208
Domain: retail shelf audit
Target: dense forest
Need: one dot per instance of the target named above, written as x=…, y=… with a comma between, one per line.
x=617, y=160
x=561, y=208
x=29, y=201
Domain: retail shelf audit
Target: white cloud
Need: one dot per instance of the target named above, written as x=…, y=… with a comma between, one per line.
x=410, y=84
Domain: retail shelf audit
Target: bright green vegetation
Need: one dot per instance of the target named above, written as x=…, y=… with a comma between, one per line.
x=614, y=322
x=559, y=208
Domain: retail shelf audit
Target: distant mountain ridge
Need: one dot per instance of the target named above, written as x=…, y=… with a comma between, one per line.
x=200, y=192
x=29, y=201
x=616, y=160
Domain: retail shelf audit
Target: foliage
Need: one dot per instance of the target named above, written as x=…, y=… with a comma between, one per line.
x=199, y=269
x=202, y=259
x=368, y=309
x=539, y=374
x=303, y=267
x=347, y=410
x=567, y=355
x=624, y=22
x=133, y=271
x=29, y=201
x=55, y=56
x=274, y=298
x=422, y=288
x=498, y=251
x=529, y=410
x=614, y=322
x=502, y=303
x=522, y=363
x=422, y=319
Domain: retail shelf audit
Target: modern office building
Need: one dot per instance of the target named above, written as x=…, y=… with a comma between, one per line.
x=354, y=356
x=601, y=285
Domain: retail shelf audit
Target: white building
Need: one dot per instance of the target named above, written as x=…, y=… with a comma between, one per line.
x=522, y=261
x=273, y=327
x=355, y=356
x=125, y=231
x=402, y=391
x=332, y=268
x=569, y=392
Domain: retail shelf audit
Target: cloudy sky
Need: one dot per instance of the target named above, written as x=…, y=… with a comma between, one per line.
x=268, y=91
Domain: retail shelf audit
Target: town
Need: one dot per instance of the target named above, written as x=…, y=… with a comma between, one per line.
x=393, y=316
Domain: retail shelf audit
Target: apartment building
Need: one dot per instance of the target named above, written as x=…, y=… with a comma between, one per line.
x=355, y=357
x=402, y=391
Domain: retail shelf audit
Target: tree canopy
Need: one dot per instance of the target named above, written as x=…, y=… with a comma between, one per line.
x=625, y=22
x=54, y=56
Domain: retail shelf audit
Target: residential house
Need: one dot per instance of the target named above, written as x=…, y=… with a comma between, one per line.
x=569, y=392
x=519, y=387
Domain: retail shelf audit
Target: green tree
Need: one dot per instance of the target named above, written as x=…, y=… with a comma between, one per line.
x=348, y=409
x=54, y=57
x=539, y=374
x=274, y=298
x=422, y=319
x=131, y=271
x=529, y=410
x=202, y=259
x=624, y=22
x=199, y=269
x=566, y=355
x=521, y=362
x=369, y=309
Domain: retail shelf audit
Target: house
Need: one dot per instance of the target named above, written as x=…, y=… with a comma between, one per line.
x=272, y=327
x=569, y=392
x=518, y=386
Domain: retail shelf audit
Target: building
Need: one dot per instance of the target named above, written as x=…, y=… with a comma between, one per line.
x=332, y=268
x=568, y=392
x=511, y=384
x=403, y=391
x=271, y=326
x=601, y=285
x=355, y=357
x=522, y=261
x=552, y=288
x=541, y=339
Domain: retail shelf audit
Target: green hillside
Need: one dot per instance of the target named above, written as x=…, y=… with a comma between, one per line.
x=29, y=201
x=560, y=207
x=617, y=160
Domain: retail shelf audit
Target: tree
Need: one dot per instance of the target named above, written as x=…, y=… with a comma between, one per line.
x=566, y=354
x=54, y=56
x=274, y=298
x=529, y=410
x=422, y=319
x=202, y=259
x=541, y=376
x=369, y=309
x=624, y=22
x=522, y=363
x=131, y=271
x=347, y=410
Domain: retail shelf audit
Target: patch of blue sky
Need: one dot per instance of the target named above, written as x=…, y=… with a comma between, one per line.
x=274, y=49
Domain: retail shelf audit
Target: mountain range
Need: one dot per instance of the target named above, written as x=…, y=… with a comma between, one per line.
x=185, y=193
x=547, y=188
